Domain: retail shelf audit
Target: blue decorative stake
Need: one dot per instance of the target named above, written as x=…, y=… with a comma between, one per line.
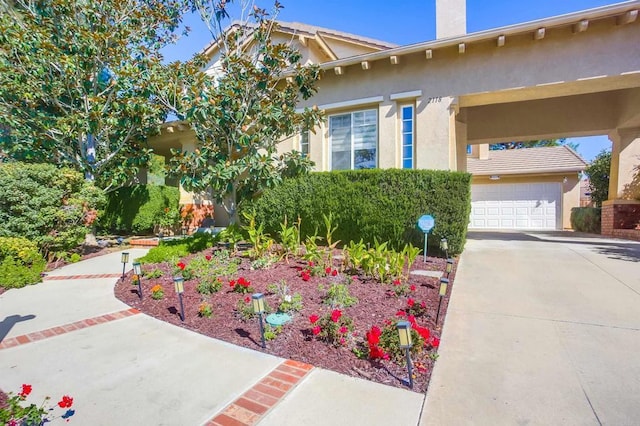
x=426, y=224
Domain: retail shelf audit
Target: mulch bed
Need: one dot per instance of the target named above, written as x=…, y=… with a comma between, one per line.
x=377, y=304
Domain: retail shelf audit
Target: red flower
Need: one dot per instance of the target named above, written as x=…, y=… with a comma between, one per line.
x=208, y=257
x=435, y=342
x=410, y=302
x=243, y=282
x=400, y=313
x=376, y=353
x=422, y=331
x=306, y=275
x=396, y=282
x=335, y=315
x=314, y=318
x=316, y=330
x=412, y=287
x=310, y=264
x=181, y=265
x=327, y=270
x=26, y=390
x=232, y=283
x=66, y=402
x=247, y=299
x=344, y=329
x=412, y=319
x=343, y=340
x=334, y=272
x=423, y=305
x=373, y=335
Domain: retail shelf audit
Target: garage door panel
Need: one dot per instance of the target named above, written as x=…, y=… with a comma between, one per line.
x=515, y=206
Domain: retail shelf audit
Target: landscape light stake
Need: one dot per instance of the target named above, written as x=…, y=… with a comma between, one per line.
x=137, y=271
x=449, y=267
x=404, y=332
x=258, y=308
x=178, y=283
x=444, y=245
x=124, y=258
x=444, y=282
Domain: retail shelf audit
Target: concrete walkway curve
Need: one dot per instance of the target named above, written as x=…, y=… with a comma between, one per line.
x=70, y=336
x=542, y=329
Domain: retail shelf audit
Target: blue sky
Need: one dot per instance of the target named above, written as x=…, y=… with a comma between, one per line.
x=404, y=22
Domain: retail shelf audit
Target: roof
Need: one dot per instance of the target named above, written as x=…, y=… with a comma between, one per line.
x=624, y=12
x=311, y=31
x=555, y=159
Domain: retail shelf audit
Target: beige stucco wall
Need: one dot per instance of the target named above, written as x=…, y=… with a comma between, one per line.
x=570, y=189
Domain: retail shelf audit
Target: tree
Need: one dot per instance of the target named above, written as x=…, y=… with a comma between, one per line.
x=598, y=172
x=243, y=111
x=533, y=144
x=75, y=80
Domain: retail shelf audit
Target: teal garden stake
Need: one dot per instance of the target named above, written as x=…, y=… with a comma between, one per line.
x=426, y=224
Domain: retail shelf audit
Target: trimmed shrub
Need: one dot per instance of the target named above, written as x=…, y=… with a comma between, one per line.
x=372, y=204
x=20, y=262
x=52, y=207
x=167, y=250
x=137, y=209
x=586, y=219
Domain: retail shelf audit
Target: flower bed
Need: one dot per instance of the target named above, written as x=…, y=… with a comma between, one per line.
x=341, y=320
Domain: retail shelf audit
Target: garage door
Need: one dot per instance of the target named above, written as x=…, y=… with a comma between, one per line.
x=515, y=206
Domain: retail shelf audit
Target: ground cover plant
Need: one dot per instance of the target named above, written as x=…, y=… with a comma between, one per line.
x=344, y=306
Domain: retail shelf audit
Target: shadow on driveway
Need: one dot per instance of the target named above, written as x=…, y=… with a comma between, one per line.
x=614, y=249
x=7, y=324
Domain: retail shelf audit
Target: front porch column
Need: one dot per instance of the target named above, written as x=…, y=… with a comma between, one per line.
x=621, y=212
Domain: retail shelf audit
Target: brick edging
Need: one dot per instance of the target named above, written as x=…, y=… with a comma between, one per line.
x=255, y=403
x=66, y=328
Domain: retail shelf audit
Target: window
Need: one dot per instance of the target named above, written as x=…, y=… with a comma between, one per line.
x=304, y=143
x=407, y=137
x=469, y=149
x=354, y=138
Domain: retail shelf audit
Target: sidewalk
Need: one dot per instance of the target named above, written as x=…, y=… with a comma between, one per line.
x=69, y=335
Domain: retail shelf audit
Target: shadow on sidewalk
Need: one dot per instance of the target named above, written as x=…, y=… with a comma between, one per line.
x=7, y=324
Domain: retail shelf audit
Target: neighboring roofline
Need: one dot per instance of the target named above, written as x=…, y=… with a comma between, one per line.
x=555, y=170
x=556, y=21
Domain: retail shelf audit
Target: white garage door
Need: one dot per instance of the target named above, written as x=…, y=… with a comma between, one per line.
x=515, y=206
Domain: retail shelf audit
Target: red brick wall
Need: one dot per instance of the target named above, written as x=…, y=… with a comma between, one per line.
x=194, y=214
x=621, y=221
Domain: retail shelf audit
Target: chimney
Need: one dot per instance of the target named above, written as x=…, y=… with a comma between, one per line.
x=451, y=18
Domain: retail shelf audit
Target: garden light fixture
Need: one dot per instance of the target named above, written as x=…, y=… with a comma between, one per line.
x=137, y=271
x=444, y=282
x=178, y=283
x=124, y=258
x=404, y=333
x=258, y=307
x=449, y=267
x=444, y=246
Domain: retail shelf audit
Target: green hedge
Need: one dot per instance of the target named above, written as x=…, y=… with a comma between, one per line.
x=167, y=250
x=50, y=206
x=586, y=219
x=20, y=262
x=372, y=204
x=137, y=209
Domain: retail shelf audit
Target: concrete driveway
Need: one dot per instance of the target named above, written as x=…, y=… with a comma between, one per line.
x=542, y=328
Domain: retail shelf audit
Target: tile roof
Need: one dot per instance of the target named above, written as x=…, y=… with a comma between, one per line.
x=527, y=160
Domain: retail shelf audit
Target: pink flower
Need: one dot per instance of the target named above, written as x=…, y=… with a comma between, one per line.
x=314, y=318
x=423, y=305
x=344, y=329
x=412, y=287
x=343, y=341
x=335, y=315
x=316, y=330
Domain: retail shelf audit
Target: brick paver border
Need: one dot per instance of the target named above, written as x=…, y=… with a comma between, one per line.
x=66, y=328
x=252, y=406
x=79, y=277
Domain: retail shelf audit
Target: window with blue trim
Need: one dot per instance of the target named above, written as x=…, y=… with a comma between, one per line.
x=469, y=149
x=407, y=137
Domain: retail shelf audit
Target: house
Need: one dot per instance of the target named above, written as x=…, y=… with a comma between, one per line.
x=423, y=105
